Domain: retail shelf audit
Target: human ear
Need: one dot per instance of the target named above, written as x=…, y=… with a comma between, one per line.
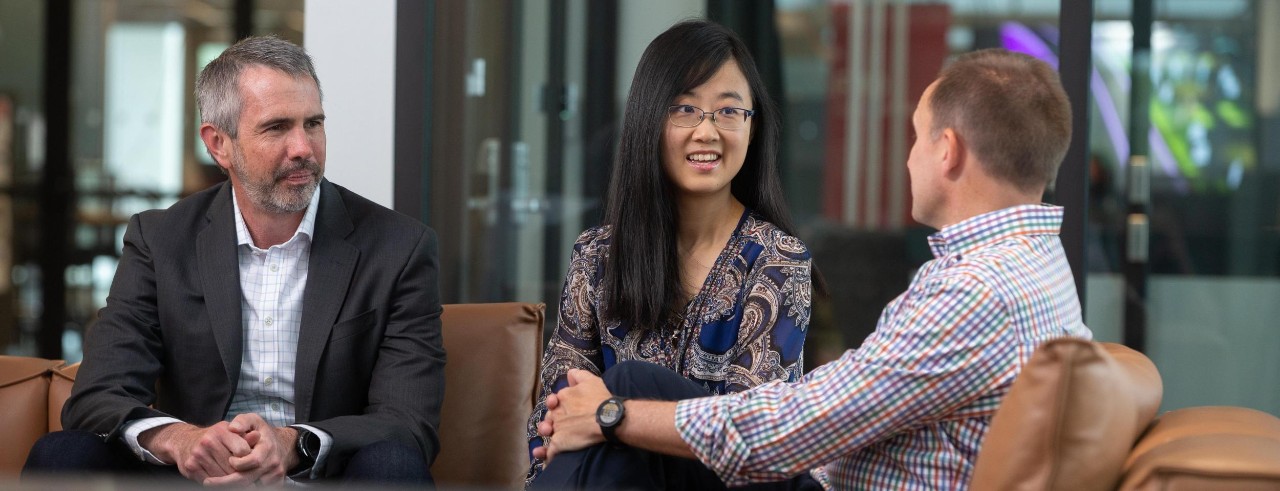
x=953, y=149
x=216, y=142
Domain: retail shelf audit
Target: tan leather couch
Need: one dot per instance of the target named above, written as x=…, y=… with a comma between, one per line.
x=494, y=352
x=1081, y=416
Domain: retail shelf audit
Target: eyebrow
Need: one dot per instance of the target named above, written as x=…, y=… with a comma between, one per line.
x=275, y=121
x=728, y=94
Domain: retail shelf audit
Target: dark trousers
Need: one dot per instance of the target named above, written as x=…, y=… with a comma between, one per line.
x=608, y=466
x=81, y=452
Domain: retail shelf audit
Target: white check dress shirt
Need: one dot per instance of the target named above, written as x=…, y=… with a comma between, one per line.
x=272, y=283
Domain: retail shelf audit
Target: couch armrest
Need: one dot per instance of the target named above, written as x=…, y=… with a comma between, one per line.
x=24, y=388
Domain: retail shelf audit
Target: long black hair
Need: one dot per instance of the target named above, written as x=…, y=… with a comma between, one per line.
x=642, y=274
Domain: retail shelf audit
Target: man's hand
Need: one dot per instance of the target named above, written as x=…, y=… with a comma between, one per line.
x=271, y=457
x=570, y=423
x=199, y=453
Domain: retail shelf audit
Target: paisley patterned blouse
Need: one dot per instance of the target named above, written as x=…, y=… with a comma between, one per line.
x=745, y=327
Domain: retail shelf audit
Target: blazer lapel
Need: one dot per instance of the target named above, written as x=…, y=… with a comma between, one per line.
x=220, y=277
x=332, y=262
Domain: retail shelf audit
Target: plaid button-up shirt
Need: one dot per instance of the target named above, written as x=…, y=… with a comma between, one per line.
x=909, y=408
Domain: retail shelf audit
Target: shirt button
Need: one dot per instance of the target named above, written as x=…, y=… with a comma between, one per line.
x=268, y=321
x=267, y=381
x=275, y=267
x=275, y=406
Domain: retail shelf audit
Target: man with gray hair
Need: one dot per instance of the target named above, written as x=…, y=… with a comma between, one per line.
x=272, y=326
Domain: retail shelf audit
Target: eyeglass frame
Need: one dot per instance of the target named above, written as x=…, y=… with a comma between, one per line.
x=747, y=114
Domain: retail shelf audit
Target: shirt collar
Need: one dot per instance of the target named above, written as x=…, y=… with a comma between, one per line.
x=988, y=228
x=306, y=228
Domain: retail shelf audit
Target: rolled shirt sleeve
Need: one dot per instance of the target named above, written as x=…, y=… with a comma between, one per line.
x=939, y=348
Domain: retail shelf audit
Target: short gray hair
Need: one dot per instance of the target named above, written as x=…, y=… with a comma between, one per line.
x=218, y=86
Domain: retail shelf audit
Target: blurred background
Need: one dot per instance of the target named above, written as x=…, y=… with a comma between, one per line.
x=494, y=121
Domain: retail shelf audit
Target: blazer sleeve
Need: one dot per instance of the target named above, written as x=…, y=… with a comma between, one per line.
x=406, y=388
x=123, y=350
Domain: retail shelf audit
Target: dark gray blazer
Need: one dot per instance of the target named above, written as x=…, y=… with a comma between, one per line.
x=370, y=360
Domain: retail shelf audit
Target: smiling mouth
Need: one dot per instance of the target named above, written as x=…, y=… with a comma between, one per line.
x=703, y=160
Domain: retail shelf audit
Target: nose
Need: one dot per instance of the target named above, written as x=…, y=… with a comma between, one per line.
x=299, y=145
x=706, y=130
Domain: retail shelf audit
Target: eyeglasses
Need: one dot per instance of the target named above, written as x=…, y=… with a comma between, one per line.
x=725, y=118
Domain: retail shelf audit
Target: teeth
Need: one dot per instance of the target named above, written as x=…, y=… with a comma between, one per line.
x=704, y=157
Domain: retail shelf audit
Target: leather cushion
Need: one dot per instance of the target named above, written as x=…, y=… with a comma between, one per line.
x=1211, y=447
x=1070, y=418
x=494, y=352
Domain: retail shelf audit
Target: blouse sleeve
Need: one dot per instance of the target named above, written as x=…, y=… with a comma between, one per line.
x=576, y=340
x=776, y=307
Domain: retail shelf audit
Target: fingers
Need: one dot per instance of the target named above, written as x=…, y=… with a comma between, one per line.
x=208, y=455
x=553, y=401
x=255, y=467
x=253, y=459
x=551, y=451
x=235, y=479
x=575, y=376
x=578, y=376
x=246, y=422
x=262, y=456
x=244, y=479
x=546, y=428
x=252, y=438
x=266, y=464
x=259, y=438
x=235, y=445
x=273, y=478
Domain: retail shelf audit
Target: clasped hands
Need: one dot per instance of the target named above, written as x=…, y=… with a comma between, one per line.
x=244, y=452
x=570, y=423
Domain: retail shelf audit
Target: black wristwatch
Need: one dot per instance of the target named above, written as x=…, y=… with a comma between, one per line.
x=609, y=416
x=308, y=447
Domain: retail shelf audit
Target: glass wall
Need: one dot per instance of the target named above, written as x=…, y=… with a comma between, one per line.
x=536, y=164
x=22, y=127
x=526, y=111
x=1183, y=256
x=131, y=137
x=1185, y=223
x=851, y=74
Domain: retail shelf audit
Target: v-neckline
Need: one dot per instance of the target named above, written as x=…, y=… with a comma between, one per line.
x=697, y=299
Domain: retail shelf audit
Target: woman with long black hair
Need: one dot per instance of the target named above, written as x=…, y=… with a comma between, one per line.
x=696, y=267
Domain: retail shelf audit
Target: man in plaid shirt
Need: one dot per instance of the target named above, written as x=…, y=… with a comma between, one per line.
x=909, y=408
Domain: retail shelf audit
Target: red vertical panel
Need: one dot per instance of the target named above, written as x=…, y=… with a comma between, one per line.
x=837, y=99
x=927, y=51
x=927, y=27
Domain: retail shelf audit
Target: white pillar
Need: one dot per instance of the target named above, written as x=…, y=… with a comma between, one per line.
x=353, y=45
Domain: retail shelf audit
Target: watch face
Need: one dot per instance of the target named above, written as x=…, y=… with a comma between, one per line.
x=308, y=444
x=610, y=412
